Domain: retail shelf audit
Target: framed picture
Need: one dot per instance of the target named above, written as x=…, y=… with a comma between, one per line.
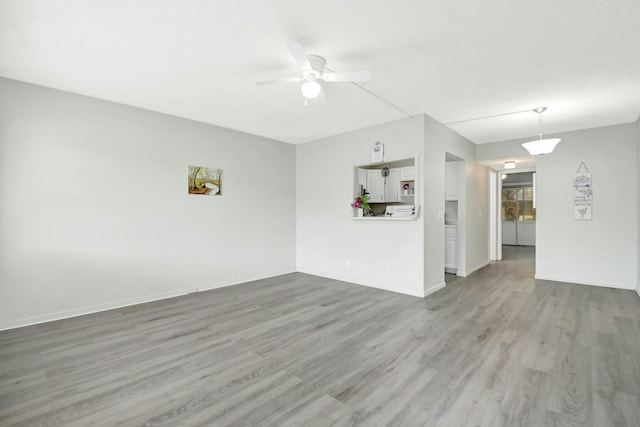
x=205, y=181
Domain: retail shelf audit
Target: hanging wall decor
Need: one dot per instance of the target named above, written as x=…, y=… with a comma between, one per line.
x=203, y=180
x=582, y=194
x=377, y=152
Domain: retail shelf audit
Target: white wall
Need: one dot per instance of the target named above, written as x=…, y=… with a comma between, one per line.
x=94, y=211
x=638, y=168
x=473, y=202
x=329, y=242
x=599, y=252
x=477, y=217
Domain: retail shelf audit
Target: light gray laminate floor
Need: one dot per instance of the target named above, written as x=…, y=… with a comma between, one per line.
x=497, y=348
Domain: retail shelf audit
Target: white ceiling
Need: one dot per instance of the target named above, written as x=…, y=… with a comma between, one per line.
x=527, y=163
x=452, y=60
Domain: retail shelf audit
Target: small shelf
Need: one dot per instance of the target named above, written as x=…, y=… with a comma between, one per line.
x=384, y=218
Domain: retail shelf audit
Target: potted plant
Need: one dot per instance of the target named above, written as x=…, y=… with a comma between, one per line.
x=405, y=187
x=361, y=203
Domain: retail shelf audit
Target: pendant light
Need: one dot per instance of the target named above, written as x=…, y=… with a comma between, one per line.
x=541, y=146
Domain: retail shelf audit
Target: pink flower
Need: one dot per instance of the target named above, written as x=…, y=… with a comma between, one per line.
x=356, y=204
x=406, y=186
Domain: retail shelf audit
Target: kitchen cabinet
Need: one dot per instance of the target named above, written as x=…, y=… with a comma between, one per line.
x=454, y=178
x=408, y=173
x=450, y=248
x=375, y=186
x=392, y=186
x=383, y=190
x=361, y=179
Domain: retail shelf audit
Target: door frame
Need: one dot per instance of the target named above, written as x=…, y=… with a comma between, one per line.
x=495, y=212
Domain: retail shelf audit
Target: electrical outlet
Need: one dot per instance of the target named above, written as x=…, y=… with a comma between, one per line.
x=383, y=268
x=440, y=214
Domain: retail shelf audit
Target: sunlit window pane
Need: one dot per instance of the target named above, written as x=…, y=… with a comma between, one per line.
x=517, y=204
x=508, y=194
x=508, y=211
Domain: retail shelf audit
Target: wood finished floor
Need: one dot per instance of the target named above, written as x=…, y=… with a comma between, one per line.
x=495, y=349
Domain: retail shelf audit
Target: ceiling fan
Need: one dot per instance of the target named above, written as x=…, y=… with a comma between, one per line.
x=313, y=69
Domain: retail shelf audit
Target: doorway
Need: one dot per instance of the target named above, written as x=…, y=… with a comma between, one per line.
x=518, y=210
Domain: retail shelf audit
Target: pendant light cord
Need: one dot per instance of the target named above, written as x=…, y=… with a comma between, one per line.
x=540, y=123
x=488, y=117
x=538, y=110
x=375, y=95
x=382, y=99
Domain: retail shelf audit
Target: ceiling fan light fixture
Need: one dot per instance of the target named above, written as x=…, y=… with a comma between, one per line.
x=310, y=89
x=510, y=165
x=541, y=146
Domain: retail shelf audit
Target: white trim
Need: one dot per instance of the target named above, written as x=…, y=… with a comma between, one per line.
x=34, y=320
x=498, y=208
x=241, y=281
x=580, y=282
x=388, y=160
x=434, y=289
x=472, y=270
x=59, y=315
x=638, y=291
x=493, y=214
x=384, y=218
x=353, y=281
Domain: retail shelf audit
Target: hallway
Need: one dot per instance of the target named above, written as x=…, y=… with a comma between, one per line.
x=568, y=354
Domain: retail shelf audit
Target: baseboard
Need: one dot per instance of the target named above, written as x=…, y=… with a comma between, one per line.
x=580, y=282
x=242, y=280
x=34, y=320
x=465, y=273
x=28, y=321
x=434, y=289
x=356, y=282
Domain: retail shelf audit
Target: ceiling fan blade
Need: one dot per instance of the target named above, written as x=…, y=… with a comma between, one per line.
x=349, y=76
x=322, y=98
x=276, y=81
x=299, y=55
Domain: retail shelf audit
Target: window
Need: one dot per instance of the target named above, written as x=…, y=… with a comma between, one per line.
x=517, y=204
x=508, y=204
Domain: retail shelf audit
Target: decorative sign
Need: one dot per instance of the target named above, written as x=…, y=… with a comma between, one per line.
x=582, y=194
x=377, y=152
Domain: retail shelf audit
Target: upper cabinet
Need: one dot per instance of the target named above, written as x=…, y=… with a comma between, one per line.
x=375, y=186
x=382, y=189
x=392, y=186
x=408, y=173
x=454, y=177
